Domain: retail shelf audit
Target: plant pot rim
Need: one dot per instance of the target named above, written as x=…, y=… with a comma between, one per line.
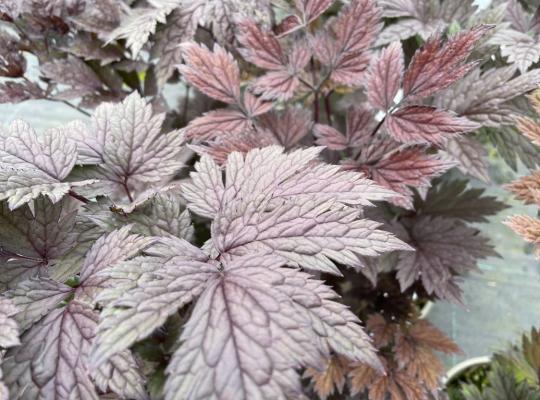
x=457, y=369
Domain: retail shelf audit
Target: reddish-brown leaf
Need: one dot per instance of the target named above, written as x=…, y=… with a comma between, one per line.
x=289, y=126
x=311, y=9
x=360, y=124
x=438, y=64
x=426, y=334
x=220, y=148
x=329, y=137
x=344, y=47
x=530, y=129
x=279, y=85
x=361, y=377
x=256, y=106
x=260, y=47
x=381, y=331
x=216, y=123
x=384, y=77
x=215, y=73
x=331, y=380
x=410, y=167
x=423, y=124
x=526, y=227
x=526, y=188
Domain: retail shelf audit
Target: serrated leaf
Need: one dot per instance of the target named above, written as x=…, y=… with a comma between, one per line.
x=35, y=298
x=444, y=248
x=453, y=199
x=180, y=27
x=108, y=250
x=31, y=238
x=9, y=329
x=483, y=97
x=260, y=47
x=52, y=360
x=163, y=215
x=518, y=48
x=126, y=143
x=471, y=156
x=215, y=73
x=512, y=146
x=312, y=9
x=141, y=23
x=31, y=165
x=149, y=301
x=289, y=126
x=344, y=48
x=410, y=167
x=422, y=124
x=74, y=73
x=121, y=375
x=216, y=123
x=259, y=353
x=437, y=65
x=384, y=77
x=329, y=137
x=248, y=179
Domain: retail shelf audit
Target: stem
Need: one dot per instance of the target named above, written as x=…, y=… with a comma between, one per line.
x=316, y=93
x=186, y=105
x=67, y=103
x=78, y=197
x=328, y=108
x=381, y=122
x=126, y=188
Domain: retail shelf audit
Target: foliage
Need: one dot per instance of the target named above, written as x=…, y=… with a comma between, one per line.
x=513, y=374
x=230, y=246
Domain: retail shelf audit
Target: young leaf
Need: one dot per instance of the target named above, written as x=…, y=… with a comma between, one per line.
x=384, y=77
x=437, y=65
x=526, y=227
x=261, y=48
x=289, y=126
x=312, y=9
x=344, y=47
x=422, y=124
x=410, y=167
x=215, y=73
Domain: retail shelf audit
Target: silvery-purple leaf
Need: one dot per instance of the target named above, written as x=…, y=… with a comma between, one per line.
x=141, y=23
x=51, y=362
x=36, y=297
x=252, y=327
x=9, y=329
x=121, y=375
x=147, y=291
x=31, y=238
x=307, y=232
x=181, y=26
x=108, y=250
x=74, y=73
